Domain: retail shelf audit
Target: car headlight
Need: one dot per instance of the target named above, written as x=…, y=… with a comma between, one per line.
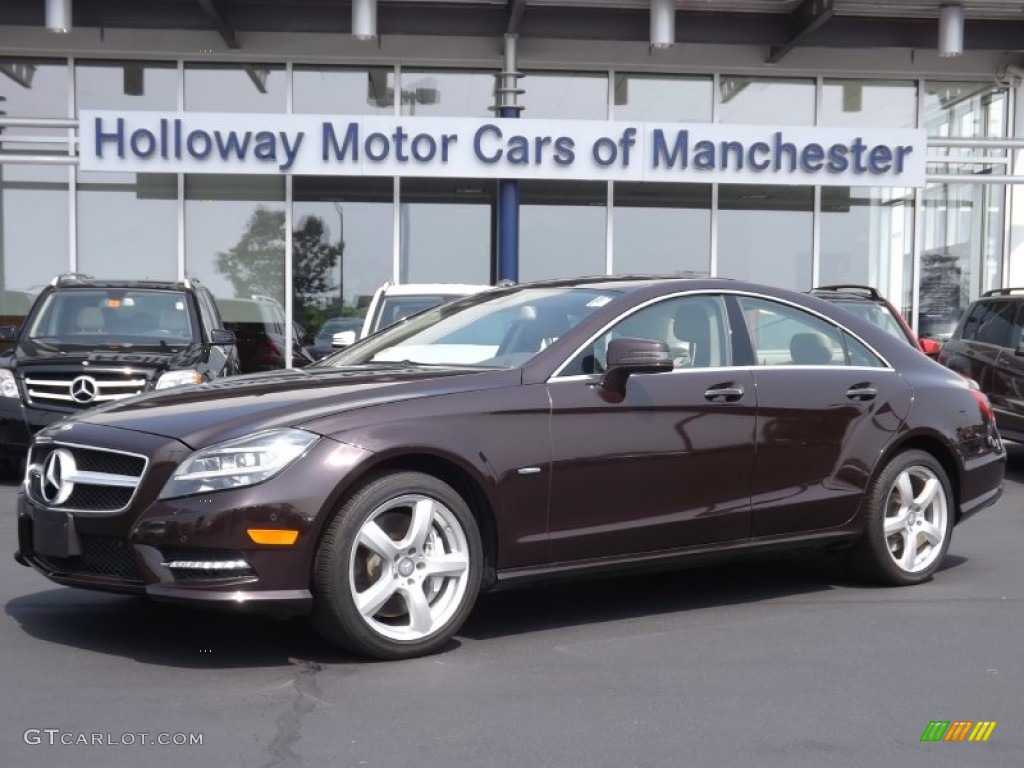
x=8, y=386
x=177, y=378
x=236, y=463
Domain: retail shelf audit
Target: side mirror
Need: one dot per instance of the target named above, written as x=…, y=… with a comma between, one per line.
x=1020, y=349
x=343, y=339
x=8, y=332
x=222, y=336
x=629, y=356
x=931, y=348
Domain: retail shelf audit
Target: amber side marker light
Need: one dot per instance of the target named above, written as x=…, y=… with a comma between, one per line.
x=273, y=536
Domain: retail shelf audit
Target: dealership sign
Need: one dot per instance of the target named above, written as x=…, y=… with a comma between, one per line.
x=332, y=145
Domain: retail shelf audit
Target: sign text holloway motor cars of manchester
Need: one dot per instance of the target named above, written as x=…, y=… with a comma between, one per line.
x=162, y=142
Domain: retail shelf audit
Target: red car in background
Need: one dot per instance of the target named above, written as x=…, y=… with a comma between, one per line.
x=868, y=303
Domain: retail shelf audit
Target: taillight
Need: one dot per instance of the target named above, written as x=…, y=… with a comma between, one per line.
x=983, y=404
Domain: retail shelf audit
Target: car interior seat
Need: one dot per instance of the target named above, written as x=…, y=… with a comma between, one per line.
x=532, y=332
x=810, y=349
x=175, y=322
x=693, y=325
x=89, y=320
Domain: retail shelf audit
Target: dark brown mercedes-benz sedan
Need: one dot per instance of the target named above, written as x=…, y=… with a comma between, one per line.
x=527, y=432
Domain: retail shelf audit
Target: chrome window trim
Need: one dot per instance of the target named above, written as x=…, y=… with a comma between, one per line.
x=556, y=376
x=90, y=479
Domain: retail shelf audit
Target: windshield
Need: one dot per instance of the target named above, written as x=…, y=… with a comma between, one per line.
x=493, y=329
x=114, y=316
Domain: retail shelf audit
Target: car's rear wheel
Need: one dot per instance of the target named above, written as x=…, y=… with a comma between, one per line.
x=909, y=521
x=398, y=568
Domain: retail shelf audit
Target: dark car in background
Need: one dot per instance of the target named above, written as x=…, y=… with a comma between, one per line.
x=867, y=302
x=524, y=433
x=988, y=347
x=259, y=326
x=86, y=342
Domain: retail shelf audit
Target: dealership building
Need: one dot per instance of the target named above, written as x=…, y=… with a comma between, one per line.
x=307, y=151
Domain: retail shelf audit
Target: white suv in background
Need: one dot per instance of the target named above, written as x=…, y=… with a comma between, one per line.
x=391, y=303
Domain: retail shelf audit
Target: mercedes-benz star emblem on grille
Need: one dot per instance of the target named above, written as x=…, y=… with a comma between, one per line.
x=54, y=484
x=83, y=389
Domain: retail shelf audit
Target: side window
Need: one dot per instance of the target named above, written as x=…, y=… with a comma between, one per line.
x=694, y=327
x=859, y=355
x=974, y=320
x=1018, y=327
x=996, y=327
x=207, y=311
x=785, y=335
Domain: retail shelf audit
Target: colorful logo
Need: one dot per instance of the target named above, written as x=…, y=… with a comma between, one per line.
x=958, y=730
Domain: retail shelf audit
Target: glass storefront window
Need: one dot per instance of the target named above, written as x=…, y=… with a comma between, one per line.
x=961, y=253
x=867, y=239
x=234, y=88
x=123, y=215
x=577, y=96
x=661, y=228
x=234, y=234
x=869, y=103
x=341, y=245
x=128, y=225
x=764, y=234
x=962, y=244
x=337, y=91
x=34, y=88
x=126, y=85
x=663, y=98
x=765, y=101
x=968, y=110
x=445, y=232
x=434, y=93
x=34, y=203
x=34, y=230
x=562, y=229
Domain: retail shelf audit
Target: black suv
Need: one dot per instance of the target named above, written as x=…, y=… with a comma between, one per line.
x=86, y=342
x=988, y=346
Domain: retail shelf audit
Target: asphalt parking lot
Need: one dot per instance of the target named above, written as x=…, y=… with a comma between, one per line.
x=785, y=662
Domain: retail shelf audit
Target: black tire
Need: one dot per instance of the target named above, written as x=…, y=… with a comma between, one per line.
x=412, y=579
x=924, y=538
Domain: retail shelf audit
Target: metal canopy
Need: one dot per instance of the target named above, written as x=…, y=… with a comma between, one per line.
x=780, y=25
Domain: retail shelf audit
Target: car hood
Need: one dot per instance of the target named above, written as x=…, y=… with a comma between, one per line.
x=30, y=353
x=226, y=408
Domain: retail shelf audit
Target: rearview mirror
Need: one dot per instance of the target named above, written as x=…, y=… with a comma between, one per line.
x=630, y=356
x=343, y=339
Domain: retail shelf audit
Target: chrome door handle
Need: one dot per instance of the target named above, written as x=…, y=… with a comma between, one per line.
x=862, y=392
x=725, y=394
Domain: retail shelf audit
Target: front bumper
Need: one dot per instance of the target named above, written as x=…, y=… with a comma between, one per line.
x=194, y=549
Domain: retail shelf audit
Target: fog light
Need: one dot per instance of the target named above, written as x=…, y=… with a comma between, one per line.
x=273, y=536
x=208, y=565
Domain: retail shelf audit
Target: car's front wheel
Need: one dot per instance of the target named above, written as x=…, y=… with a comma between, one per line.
x=398, y=568
x=909, y=521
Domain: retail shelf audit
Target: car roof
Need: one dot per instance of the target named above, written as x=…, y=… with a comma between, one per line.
x=419, y=289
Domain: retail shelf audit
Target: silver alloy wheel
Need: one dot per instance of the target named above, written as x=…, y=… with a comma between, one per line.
x=916, y=519
x=409, y=567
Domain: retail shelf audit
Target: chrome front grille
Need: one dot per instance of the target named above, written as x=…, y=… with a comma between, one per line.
x=81, y=390
x=78, y=478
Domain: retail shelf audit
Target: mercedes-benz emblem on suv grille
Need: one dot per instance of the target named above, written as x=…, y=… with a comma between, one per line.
x=54, y=484
x=83, y=389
